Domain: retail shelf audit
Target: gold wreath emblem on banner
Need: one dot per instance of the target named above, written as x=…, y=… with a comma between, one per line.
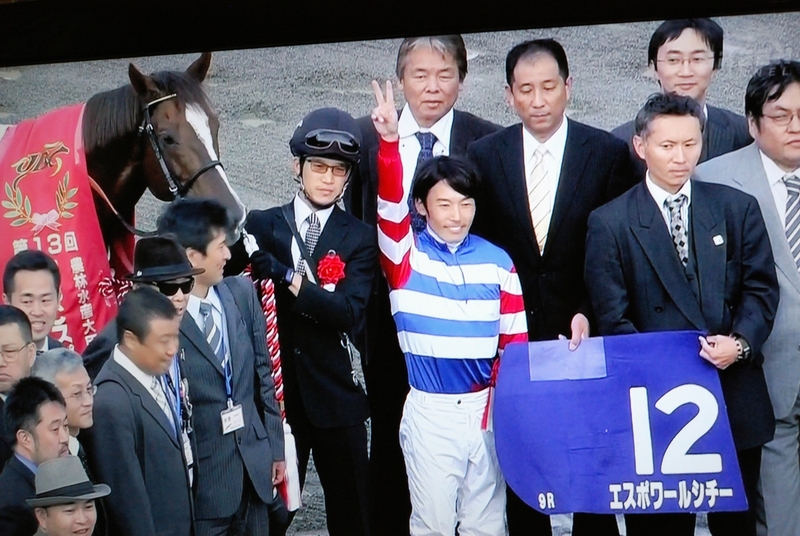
x=19, y=205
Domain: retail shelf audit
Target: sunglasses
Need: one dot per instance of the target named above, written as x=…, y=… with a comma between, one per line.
x=324, y=139
x=169, y=288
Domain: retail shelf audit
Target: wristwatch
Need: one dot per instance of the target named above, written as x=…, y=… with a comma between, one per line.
x=743, y=346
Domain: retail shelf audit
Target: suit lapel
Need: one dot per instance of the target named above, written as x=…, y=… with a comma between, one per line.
x=197, y=339
x=236, y=329
x=711, y=258
x=757, y=185
x=460, y=135
x=146, y=400
x=576, y=156
x=654, y=238
x=332, y=235
x=516, y=185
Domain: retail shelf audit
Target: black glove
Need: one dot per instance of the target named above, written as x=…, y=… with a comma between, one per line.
x=265, y=266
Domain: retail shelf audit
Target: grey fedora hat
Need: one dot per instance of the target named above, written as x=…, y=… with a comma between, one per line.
x=64, y=481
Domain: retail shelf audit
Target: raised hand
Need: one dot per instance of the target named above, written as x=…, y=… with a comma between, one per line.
x=384, y=115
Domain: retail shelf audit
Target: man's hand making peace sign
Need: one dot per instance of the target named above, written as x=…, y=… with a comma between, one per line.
x=384, y=115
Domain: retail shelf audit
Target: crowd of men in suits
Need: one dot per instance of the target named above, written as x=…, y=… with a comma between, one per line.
x=577, y=232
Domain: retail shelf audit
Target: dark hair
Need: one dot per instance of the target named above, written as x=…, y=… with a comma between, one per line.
x=709, y=31
x=141, y=306
x=25, y=401
x=445, y=44
x=12, y=315
x=457, y=172
x=195, y=222
x=768, y=84
x=659, y=104
x=31, y=260
x=534, y=47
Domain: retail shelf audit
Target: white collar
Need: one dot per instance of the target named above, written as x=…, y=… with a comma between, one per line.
x=555, y=144
x=193, y=305
x=407, y=126
x=125, y=362
x=774, y=173
x=451, y=247
x=302, y=211
x=661, y=195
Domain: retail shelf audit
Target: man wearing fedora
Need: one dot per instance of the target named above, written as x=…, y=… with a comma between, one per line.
x=65, y=500
x=159, y=262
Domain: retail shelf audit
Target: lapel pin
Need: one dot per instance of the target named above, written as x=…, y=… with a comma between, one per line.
x=718, y=240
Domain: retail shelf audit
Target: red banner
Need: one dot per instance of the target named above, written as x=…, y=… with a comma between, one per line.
x=48, y=205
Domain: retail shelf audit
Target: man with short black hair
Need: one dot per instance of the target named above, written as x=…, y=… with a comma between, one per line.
x=675, y=254
x=32, y=282
x=684, y=55
x=236, y=419
x=66, y=500
x=542, y=178
x=135, y=443
x=769, y=170
x=431, y=71
x=17, y=355
x=36, y=418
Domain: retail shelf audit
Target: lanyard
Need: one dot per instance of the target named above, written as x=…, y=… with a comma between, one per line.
x=226, y=368
x=173, y=389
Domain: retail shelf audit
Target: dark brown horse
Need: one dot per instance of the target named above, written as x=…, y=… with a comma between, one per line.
x=159, y=132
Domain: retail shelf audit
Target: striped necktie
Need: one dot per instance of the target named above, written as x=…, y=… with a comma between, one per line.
x=211, y=331
x=426, y=142
x=539, y=197
x=311, y=239
x=793, y=216
x=157, y=387
x=678, y=227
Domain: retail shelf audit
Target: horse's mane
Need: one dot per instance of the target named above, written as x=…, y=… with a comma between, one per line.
x=118, y=112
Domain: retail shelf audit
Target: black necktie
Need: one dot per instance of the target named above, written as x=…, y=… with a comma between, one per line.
x=426, y=142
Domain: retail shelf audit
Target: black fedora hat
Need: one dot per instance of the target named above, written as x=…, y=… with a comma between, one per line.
x=64, y=481
x=160, y=258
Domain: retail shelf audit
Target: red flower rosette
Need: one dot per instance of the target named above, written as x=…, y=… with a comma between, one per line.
x=330, y=269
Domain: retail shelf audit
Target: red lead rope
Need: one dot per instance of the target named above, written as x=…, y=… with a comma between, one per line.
x=487, y=412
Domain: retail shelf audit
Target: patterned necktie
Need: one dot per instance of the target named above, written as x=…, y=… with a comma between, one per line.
x=311, y=239
x=426, y=143
x=211, y=331
x=161, y=399
x=539, y=196
x=678, y=227
x=793, y=216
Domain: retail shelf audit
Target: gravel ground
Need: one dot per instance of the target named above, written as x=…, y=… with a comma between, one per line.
x=261, y=94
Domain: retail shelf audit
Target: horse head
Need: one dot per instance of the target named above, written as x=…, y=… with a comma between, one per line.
x=181, y=157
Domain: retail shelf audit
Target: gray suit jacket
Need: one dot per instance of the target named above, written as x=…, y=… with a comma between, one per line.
x=133, y=448
x=221, y=460
x=743, y=170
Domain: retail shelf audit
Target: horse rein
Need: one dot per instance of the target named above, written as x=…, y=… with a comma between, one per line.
x=177, y=190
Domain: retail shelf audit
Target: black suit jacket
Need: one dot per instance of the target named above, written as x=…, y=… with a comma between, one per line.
x=596, y=168
x=52, y=343
x=100, y=349
x=221, y=460
x=361, y=200
x=5, y=439
x=724, y=132
x=317, y=373
x=16, y=485
x=133, y=448
x=637, y=284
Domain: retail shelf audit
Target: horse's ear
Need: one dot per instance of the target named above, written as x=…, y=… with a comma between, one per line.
x=142, y=84
x=199, y=68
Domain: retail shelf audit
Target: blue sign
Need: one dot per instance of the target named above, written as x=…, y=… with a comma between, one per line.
x=624, y=424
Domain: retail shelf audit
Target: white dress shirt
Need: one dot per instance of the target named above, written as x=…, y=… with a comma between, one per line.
x=775, y=177
x=217, y=313
x=407, y=129
x=660, y=196
x=301, y=213
x=553, y=158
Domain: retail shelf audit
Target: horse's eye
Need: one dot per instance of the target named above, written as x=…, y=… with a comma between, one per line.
x=168, y=140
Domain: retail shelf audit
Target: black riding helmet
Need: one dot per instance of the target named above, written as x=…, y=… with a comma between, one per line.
x=329, y=133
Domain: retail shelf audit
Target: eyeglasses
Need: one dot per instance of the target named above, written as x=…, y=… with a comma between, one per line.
x=324, y=139
x=338, y=170
x=9, y=356
x=678, y=61
x=83, y=393
x=782, y=119
x=170, y=288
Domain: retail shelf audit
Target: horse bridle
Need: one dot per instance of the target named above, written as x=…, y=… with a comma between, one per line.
x=176, y=189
